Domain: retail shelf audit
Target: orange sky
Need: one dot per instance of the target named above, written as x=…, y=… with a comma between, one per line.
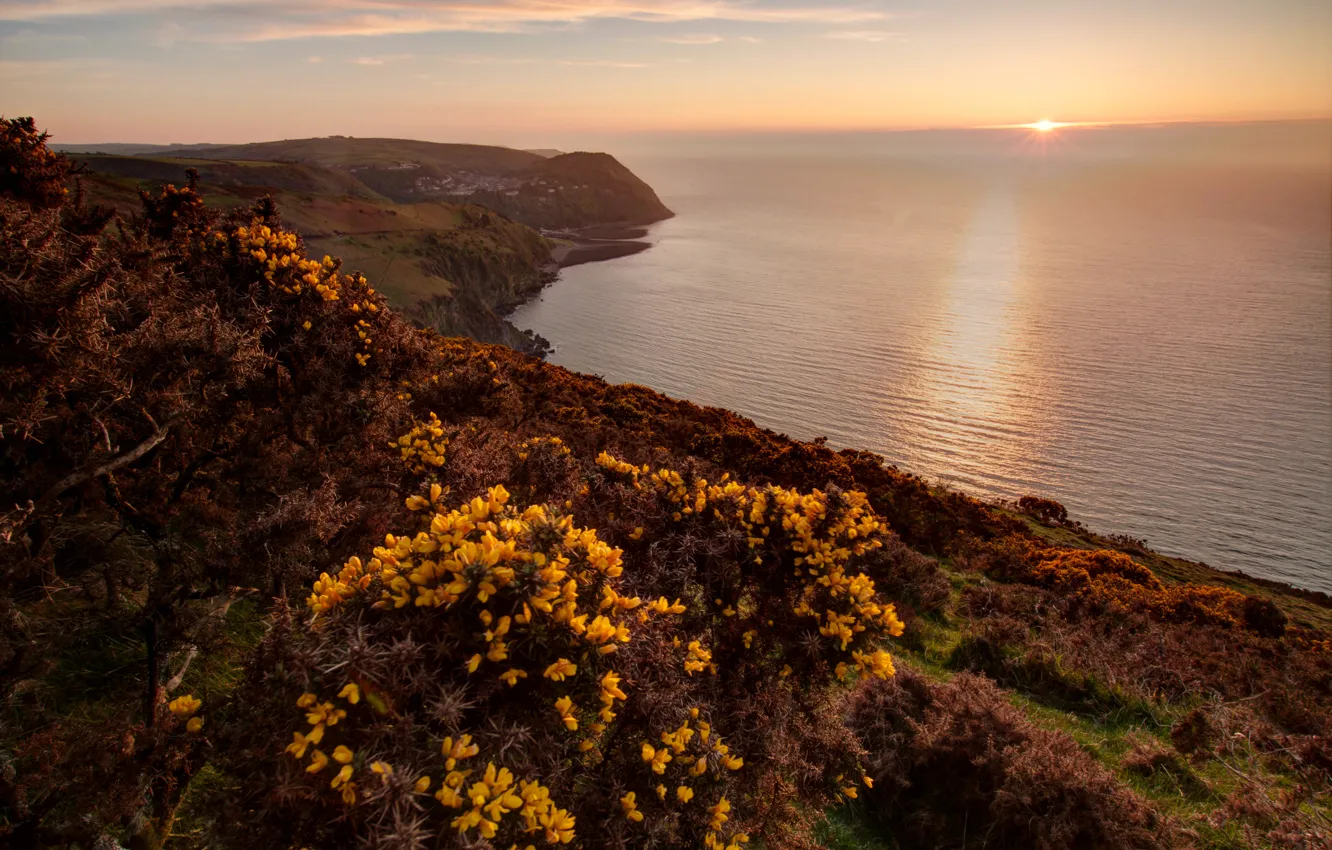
x=517, y=71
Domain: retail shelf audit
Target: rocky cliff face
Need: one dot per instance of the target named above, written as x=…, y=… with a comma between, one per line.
x=491, y=266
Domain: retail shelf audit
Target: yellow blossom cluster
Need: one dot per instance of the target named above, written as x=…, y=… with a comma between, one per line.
x=321, y=716
x=606, y=461
x=185, y=707
x=494, y=795
x=278, y=257
x=709, y=749
x=514, y=573
x=820, y=534
x=698, y=659
x=422, y=448
x=690, y=751
x=555, y=444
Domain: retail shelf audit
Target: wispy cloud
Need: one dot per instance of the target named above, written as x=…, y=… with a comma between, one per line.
x=695, y=38
x=314, y=60
x=873, y=36
x=603, y=63
x=568, y=63
x=253, y=20
x=375, y=61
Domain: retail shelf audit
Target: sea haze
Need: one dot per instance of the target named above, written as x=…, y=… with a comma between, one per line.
x=1136, y=325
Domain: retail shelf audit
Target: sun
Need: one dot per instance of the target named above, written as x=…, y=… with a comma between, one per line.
x=1045, y=125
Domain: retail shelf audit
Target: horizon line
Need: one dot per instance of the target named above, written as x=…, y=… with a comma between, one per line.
x=760, y=131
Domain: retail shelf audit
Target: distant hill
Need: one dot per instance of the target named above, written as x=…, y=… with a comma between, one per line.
x=577, y=189
x=278, y=176
x=544, y=189
x=546, y=152
x=119, y=148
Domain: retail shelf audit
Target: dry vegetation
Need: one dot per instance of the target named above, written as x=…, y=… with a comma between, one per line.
x=280, y=569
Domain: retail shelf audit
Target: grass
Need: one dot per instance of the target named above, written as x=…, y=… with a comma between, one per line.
x=851, y=828
x=1104, y=728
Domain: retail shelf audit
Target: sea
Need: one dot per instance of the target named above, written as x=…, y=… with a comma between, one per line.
x=1134, y=321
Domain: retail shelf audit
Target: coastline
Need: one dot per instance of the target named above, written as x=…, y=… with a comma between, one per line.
x=596, y=243
x=592, y=244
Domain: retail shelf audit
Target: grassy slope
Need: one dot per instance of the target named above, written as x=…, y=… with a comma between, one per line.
x=387, y=242
x=1105, y=729
x=340, y=152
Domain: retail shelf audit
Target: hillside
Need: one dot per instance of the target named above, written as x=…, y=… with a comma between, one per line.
x=278, y=569
x=279, y=176
x=557, y=191
x=455, y=267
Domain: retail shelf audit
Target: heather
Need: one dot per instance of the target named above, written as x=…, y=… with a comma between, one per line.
x=281, y=568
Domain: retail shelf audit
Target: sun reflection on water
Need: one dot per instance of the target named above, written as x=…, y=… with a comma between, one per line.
x=977, y=400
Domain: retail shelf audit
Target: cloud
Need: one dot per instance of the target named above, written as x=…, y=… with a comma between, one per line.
x=314, y=60
x=571, y=63
x=749, y=39
x=696, y=38
x=874, y=36
x=603, y=63
x=375, y=61
x=253, y=20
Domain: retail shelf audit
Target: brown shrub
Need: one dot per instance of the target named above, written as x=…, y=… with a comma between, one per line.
x=30, y=172
x=1194, y=734
x=1047, y=511
x=957, y=760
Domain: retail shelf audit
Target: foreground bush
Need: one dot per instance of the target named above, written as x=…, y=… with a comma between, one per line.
x=956, y=764
x=497, y=672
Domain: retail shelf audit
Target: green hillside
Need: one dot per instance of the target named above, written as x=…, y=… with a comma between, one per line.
x=457, y=268
x=346, y=151
x=226, y=174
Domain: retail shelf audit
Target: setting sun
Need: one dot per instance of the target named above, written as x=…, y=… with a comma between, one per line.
x=1045, y=125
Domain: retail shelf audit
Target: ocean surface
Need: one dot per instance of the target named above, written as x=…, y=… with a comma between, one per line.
x=1142, y=334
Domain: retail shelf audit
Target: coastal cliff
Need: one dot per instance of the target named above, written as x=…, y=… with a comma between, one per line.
x=459, y=268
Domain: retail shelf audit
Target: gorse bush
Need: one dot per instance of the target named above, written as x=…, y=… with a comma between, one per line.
x=500, y=673
x=166, y=448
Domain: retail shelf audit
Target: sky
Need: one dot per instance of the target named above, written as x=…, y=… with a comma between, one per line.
x=540, y=72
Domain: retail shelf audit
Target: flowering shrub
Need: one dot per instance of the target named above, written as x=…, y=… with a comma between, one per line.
x=548, y=687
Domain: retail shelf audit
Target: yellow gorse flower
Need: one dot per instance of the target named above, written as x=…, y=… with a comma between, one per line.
x=561, y=670
x=630, y=807
x=184, y=706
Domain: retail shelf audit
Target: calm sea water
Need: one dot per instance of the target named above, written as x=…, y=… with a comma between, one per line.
x=1147, y=341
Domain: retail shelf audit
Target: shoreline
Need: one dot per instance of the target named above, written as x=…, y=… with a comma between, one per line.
x=596, y=243
x=570, y=248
